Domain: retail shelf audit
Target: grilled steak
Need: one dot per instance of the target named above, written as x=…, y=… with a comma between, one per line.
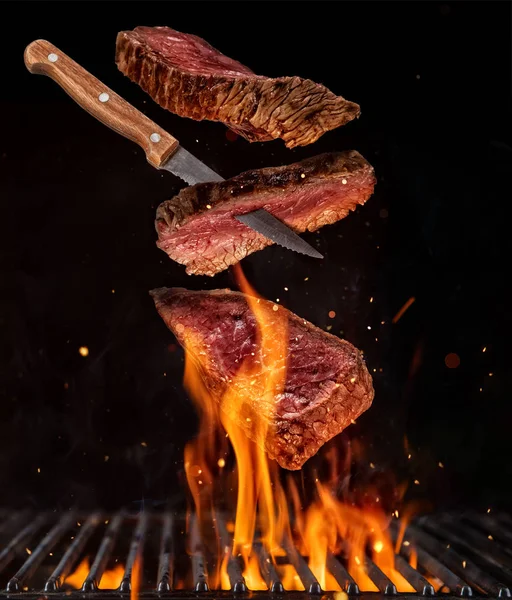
x=197, y=227
x=185, y=75
x=326, y=386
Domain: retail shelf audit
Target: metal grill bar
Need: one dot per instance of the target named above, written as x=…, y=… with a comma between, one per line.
x=72, y=554
x=380, y=579
x=165, y=565
x=103, y=554
x=234, y=570
x=22, y=538
x=38, y=555
x=460, y=564
x=199, y=572
x=342, y=576
x=473, y=541
x=268, y=570
x=309, y=581
x=456, y=550
x=136, y=549
x=491, y=526
x=418, y=582
x=439, y=570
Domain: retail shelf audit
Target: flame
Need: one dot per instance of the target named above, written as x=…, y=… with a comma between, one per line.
x=252, y=574
x=136, y=577
x=289, y=577
x=327, y=526
x=110, y=580
x=79, y=575
x=413, y=558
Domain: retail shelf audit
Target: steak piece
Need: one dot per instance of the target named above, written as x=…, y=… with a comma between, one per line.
x=197, y=227
x=326, y=386
x=185, y=75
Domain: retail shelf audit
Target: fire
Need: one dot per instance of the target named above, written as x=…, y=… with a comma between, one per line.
x=136, y=577
x=110, y=580
x=77, y=578
x=327, y=527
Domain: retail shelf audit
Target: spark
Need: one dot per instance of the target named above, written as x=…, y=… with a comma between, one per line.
x=332, y=314
x=28, y=551
x=344, y=181
x=106, y=457
x=83, y=351
x=409, y=456
x=378, y=546
x=208, y=206
x=275, y=307
x=484, y=349
x=303, y=175
x=352, y=380
x=358, y=561
x=113, y=291
x=488, y=510
x=144, y=444
x=404, y=308
x=464, y=564
x=440, y=465
x=306, y=278
x=371, y=299
x=491, y=374
x=221, y=462
x=407, y=543
x=397, y=514
x=39, y=469
x=372, y=466
x=489, y=537
x=285, y=289
x=416, y=482
x=369, y=327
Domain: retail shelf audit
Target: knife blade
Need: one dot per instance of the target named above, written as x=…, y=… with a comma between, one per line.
x=162, y=150
x=263, y=222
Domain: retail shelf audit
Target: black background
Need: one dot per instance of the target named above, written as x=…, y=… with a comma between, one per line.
x=78, y=255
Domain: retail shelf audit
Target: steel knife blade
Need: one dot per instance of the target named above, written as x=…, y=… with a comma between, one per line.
x=274, y=229
x=162, y=150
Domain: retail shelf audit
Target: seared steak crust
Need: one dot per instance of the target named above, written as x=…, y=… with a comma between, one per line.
x=197, y=227
x=327, y=383
x=187, y=76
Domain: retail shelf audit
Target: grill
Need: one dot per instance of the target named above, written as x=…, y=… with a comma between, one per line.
x=464, y=555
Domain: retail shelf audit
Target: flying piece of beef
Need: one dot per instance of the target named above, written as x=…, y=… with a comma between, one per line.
x=185, y=75
x=197, y=227
x=327, y=384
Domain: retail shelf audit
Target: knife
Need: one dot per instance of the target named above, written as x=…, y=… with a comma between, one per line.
x=162, y=150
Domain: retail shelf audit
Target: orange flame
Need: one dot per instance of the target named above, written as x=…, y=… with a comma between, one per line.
x=79, y=575
x=136, y=577
x=110, y=579
x=328, y=526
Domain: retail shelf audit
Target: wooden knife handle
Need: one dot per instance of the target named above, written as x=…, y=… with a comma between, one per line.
x=100, y=101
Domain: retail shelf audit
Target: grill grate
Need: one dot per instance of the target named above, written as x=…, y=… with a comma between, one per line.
x=466, y=555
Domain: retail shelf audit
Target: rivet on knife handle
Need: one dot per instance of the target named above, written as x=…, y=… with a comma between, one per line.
x=100, y=101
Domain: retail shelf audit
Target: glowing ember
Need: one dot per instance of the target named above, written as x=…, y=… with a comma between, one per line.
x=404, y=308
x=83, y=351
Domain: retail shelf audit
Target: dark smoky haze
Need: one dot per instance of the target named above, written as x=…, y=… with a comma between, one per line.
x=78, y=254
